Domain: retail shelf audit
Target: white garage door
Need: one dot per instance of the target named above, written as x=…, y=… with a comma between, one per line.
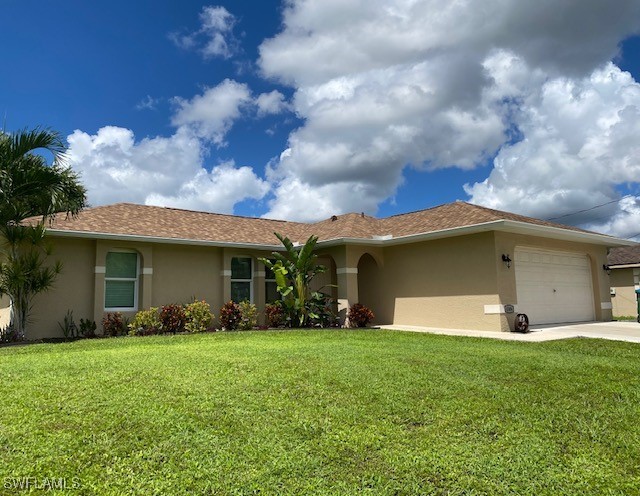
x=553, y=287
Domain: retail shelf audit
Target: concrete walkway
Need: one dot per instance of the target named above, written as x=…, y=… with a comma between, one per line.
x=615, y=331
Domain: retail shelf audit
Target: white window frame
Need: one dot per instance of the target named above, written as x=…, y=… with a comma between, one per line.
x=135, y=287
x=250, y=280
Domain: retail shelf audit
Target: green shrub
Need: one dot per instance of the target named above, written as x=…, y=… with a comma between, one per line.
x=359, y=316
x=114, y=324
x=88, y=328
x=173, y=318
x=248, y=316
x=274, y=314
x=145, y=323
x=198, y=315
x=68, y=326
x=230, y=316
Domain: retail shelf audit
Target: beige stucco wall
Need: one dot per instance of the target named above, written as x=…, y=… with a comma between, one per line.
x=623, y=281
x=181, y=273
x=506, y=243
x=72, y=290
x=442, y=283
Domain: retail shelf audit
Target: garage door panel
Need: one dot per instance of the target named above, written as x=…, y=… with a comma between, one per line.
x=554, y=287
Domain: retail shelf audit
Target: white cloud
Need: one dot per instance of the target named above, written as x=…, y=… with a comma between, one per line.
x=147, y=103
x=215, y=36
x=159, y=171
x=218, y=190
x=271, y=103
x=381, y=84
x=580, y=143
x=211, y=114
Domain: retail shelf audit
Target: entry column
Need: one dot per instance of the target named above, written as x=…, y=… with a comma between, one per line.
x=347, y=291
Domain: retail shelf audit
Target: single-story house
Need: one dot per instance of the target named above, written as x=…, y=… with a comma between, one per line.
x=624, y=264
x=456, y=265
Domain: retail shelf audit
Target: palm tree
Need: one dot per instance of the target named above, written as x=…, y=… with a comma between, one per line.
x=29, y=187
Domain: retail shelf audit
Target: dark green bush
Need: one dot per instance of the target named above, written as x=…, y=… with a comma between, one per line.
x=88, y=328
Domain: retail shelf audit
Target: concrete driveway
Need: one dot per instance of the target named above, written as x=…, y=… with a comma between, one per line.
x=615, y=331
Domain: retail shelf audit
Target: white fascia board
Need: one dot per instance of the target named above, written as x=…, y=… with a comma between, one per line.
x=413, y=238
x=519, y=227
x=625, y=266
x=511, y=226
x=63, y=233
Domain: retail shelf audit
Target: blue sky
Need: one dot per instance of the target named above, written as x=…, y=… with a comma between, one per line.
x=303, y=110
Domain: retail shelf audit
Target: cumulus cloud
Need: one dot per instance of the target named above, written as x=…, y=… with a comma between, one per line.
x=271, y=103
x=625, y=222
x=382, y=85
x=215, y=36
x=211, y=114
x=158, y=171
x=579, y=143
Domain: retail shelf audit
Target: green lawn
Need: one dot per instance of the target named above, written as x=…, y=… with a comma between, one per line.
x=323, y=412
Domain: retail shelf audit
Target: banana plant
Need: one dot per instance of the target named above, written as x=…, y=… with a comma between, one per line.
x=293, y=271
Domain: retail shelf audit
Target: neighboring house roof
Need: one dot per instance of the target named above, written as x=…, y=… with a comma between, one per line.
x=626, y=256
x=131, y=221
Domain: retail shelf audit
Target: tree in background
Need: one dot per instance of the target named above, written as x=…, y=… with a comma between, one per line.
x=31, y=188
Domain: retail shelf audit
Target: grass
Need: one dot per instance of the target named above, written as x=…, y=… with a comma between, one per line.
x=625, y=317
x=323, y=412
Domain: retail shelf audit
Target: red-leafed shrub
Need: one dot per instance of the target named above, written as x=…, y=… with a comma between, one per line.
x=172, y=318
x=274, y=314
x=359, y=316
x=113, y=324
x=230, y=316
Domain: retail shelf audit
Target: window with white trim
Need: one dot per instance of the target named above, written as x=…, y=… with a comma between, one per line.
x=121, y=281
x=270, y=287
x=241, y=279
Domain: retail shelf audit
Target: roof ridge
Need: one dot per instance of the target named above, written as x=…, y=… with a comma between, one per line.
x=194, y=211
x=422, y=209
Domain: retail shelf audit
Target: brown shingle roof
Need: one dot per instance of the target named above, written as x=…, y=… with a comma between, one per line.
x=172, y=223
x=142, y=220
x=624, y=256
x=452, y=215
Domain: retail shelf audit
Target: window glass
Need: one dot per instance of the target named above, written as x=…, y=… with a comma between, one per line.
x=241, y=279
x=270, y=287
x=271, y=292
x=120, y=294
x=122, y=265
x=240, y=291
x=121, y=280
x=240, y=268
